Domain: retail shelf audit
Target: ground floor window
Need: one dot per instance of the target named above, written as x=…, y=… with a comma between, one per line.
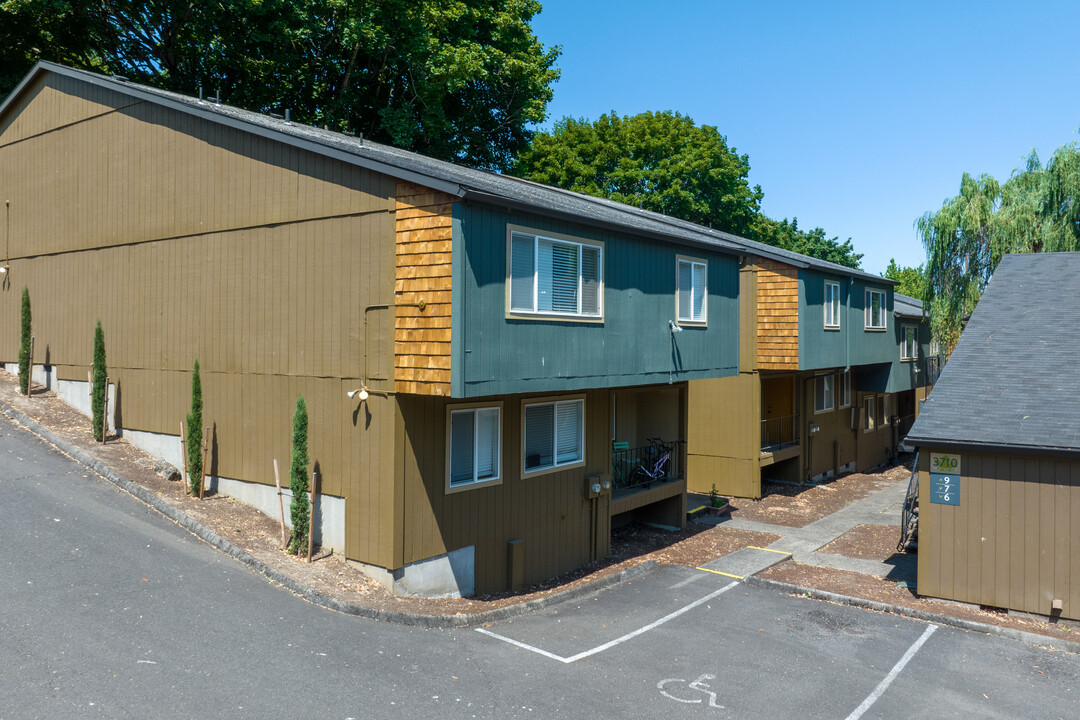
x=474, y=446
x=843, y=389
x=868, y=413
x=823, y=393
x=554, y=434
x=884, y=409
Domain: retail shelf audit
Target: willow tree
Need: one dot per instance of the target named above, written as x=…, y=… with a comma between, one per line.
x=1036, y=210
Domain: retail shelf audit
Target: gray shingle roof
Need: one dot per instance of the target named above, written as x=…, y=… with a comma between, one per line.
x=904, y=306
x=459, y=180
x=1011, y=382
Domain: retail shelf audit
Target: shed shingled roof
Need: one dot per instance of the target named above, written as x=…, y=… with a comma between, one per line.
x=1011, y=383
x=459, y=180
x=904, y=306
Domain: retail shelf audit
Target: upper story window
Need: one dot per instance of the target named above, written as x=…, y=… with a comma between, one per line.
x=935, y=348
x=909, y=345
x=843, y=389
x=693, y=291
x=875, y=310
x=473, y=448
x=554, y=434
x=832, y=305
x=824, y=399
x=550, y=276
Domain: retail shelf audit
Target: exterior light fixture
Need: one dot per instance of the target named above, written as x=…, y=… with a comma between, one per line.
x=673, y=327
x=361, y=392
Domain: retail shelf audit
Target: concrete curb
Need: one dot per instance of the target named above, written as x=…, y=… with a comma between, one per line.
x=985, y=628
x=458, y=620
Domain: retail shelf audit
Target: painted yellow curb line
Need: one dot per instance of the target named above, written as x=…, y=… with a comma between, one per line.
x=737, y=577
x=779, y=552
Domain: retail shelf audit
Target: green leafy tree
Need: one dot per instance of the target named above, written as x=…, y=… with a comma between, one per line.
x=912, y=279
x=24, y=344
x=1036, y=210
x=299, y=508
x=460, y=81
x=100, y=385
x=659, y=161
x=194, y=433
x=788, y=235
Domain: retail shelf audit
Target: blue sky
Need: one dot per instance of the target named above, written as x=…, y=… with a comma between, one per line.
x=857, y=117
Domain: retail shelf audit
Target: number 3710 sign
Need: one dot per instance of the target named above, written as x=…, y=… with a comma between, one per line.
x=944, y=479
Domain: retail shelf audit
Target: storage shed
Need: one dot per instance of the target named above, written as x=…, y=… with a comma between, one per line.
x=999, y=447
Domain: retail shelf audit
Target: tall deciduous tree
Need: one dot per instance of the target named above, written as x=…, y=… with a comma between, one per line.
x=195, y=433
x=99, y=380
x=659, y=161
x=299, y=508
x=25, y=334
x=1036, y=210
x=460, y=81
x=912, y=279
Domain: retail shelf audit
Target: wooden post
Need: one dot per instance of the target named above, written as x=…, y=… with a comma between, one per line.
x=183, y=457
x=205, y=449
x=29, y=379
x=105, y=413
x=280, y=503
x=311, y=519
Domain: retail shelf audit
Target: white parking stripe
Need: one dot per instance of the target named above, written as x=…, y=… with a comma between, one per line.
x=616, y=641
x=884, y=684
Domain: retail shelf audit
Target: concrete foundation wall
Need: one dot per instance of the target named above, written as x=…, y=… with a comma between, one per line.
x=449, y=575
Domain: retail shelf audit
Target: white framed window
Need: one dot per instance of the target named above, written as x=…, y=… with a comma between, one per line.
x=554, y=434
x=473, y=447
x=843, y=389
x=554, y=276
x=909, y=345
x=691, y=299
x=824, y=399
x=875, y=310
x=832, y=305
x=869, y=408
x=884, y=409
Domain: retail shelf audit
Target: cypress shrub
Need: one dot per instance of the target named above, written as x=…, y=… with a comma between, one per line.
x=299, y=509
x=24, y=344
x=194, y=434
x=97, y=397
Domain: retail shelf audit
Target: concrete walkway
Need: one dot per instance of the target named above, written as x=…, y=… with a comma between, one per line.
x=804, y=544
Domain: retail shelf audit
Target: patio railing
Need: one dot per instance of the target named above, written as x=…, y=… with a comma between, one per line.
x=642, y=466
x=779, y=433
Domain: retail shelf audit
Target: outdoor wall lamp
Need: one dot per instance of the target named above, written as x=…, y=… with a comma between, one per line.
x=362, y=392
x=673, y=327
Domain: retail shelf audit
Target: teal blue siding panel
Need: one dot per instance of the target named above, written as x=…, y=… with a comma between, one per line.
x=908, y=375
x=821, y=347
x=632, y=346
x=457, y=310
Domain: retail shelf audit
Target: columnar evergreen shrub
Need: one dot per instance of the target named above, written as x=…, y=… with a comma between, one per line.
x=97, y=396
x=194, y=434
x=24, y=344
x=299, y=509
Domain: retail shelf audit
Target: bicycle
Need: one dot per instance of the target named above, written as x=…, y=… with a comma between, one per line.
x=654, y=471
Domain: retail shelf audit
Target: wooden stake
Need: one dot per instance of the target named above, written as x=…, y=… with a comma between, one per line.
x=205, y=449
x=311, y=519
x=105, y=413
x=183, y=457
x=280, y=503
x=28, y=390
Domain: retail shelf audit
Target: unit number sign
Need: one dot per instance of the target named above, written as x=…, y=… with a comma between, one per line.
x=944, y=479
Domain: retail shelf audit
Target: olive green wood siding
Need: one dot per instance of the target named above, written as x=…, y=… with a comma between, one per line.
x=191, y=240
x=724, y=435
x=1014, y=539
x=549, y=512
x=835, y=443
x=632, y=346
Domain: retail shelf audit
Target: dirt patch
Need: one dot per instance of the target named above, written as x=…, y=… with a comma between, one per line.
x=799, y=505
x=870, y=587
x=868, y=542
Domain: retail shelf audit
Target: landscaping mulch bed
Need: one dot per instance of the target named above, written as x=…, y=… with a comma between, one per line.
x=867, y=542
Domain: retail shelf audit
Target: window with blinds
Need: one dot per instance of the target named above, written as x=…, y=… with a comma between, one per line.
x=555, y=277
x=474, y=446
x=554, y=434
x=692, y=293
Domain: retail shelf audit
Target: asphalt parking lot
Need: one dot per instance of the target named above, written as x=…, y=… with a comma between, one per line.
x=685, y=641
